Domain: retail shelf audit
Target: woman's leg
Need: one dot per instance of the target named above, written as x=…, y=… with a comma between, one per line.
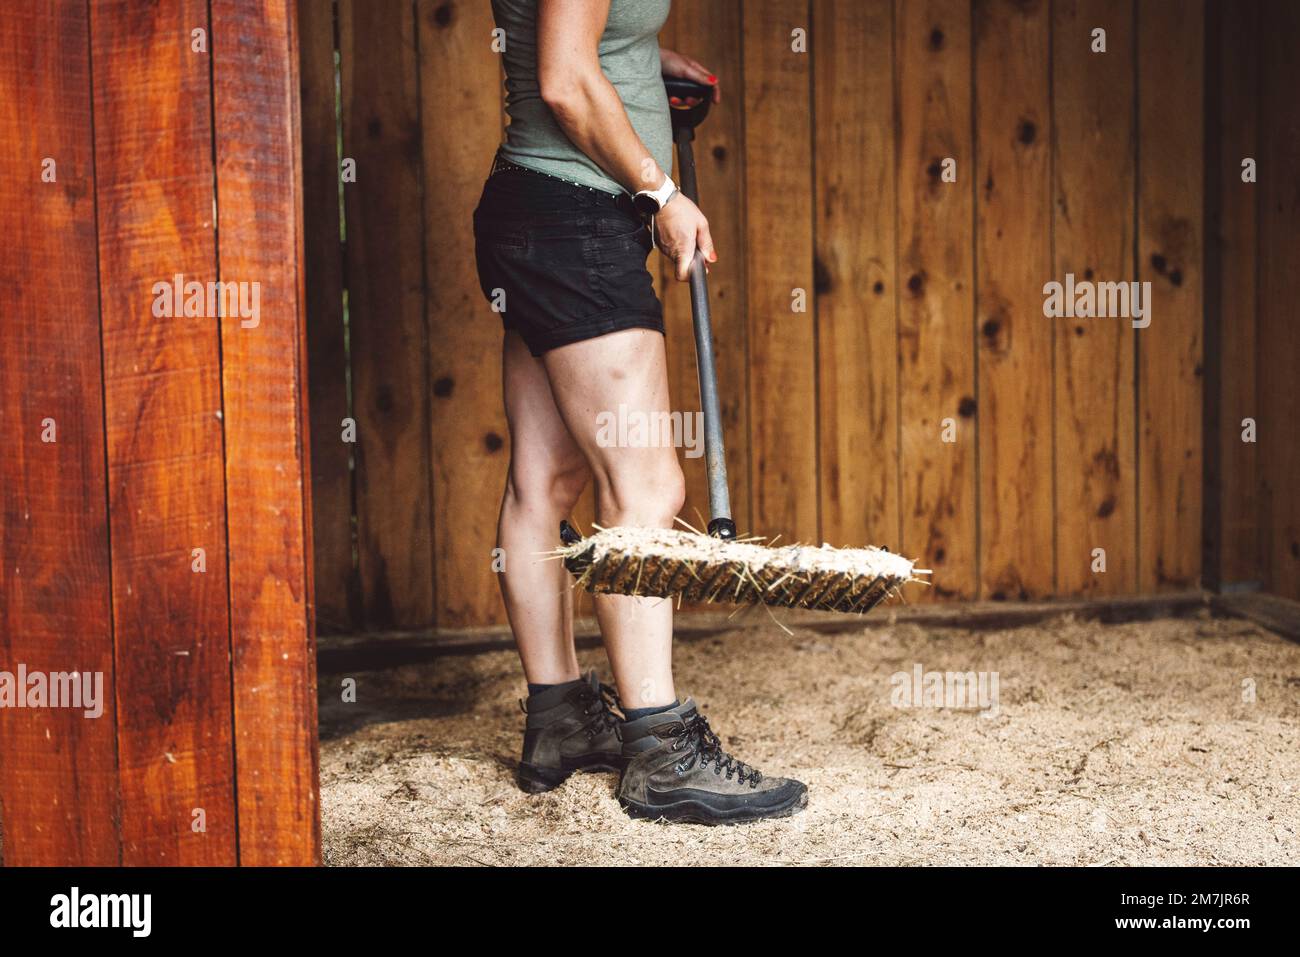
x=547, y=474
x=634, y=486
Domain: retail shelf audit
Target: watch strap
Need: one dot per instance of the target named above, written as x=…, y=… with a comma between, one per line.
x=667, y=189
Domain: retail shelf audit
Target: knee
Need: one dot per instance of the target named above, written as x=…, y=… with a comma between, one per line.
x=674, y=493
x=554, y=489
x=647, y=495
x=566, y=485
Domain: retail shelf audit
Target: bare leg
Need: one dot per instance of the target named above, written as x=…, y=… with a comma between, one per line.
x=547, y=474
x=634, y=486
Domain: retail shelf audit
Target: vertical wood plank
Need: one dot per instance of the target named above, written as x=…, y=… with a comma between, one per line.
x=388, y=337
x=468, y=426
x=857, y=344
x=1171, y=48
x=936, y=307
x=153, y=156
x=337, y=589
x=255, y=99
x=1013, y=260
x=778, y=248
x=1279, y=291
x=710, y=31
x=58, y=768
x=1232, y=494
x=1092, y=228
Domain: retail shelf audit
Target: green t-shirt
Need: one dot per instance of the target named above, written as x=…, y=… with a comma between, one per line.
x=629, y=58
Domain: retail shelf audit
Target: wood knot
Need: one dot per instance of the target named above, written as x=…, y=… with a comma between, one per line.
x=822, y=282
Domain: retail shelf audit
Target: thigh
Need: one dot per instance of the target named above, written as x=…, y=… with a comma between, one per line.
x=597, y=381
x=540, y=444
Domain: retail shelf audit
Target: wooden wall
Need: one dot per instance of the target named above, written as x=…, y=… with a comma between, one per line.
x=825, y=177
x=1253, y=522
x=136, y=440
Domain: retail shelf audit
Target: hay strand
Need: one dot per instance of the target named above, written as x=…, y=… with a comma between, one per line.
x=660, y=563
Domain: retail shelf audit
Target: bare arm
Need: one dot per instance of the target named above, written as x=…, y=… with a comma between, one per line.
x=588, y=109
x=584, y=102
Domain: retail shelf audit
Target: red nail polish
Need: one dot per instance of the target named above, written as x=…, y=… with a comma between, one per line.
x=712, y=78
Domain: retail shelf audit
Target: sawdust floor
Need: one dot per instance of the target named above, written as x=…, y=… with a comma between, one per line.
x=1113, y=744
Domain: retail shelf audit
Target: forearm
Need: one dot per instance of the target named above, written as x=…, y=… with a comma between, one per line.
x=589, y=111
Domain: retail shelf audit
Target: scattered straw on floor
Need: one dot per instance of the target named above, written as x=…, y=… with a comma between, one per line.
x=1130, y=744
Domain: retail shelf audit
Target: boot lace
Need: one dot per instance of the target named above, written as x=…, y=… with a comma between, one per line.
x=600, y=704
x=702, y=745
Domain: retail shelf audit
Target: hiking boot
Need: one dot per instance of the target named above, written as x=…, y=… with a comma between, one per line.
x=570, y=727
x=678, y=771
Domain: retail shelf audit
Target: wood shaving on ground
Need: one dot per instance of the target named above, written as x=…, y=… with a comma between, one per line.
x=1173, y=742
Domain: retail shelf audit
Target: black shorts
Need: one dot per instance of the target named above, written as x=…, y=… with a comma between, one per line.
x=562, y=262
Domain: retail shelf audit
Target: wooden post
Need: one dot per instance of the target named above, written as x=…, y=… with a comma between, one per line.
x=156, y=517
x=58, y=769
x=259, y=191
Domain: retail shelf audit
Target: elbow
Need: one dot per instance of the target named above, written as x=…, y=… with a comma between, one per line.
x=558, y=94
x=564, y=92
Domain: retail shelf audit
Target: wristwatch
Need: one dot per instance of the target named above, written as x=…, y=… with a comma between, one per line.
x=648, y=202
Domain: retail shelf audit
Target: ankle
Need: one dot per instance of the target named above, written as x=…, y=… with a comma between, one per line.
x=635, y=714
x=539, y=687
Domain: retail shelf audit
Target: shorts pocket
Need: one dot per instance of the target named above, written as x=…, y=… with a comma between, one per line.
x=619, y=274
x=619, y=226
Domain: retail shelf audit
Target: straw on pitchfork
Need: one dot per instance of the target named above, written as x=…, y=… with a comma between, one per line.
x=660, y=563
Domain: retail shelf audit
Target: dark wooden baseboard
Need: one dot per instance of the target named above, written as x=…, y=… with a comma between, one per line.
x=1277, y=614
x=377, y=650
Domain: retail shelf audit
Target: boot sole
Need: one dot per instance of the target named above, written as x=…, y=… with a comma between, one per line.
x=693, y=812
x=534, y=780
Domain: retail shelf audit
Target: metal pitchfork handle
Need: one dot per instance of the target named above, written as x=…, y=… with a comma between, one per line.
x=685, y=118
